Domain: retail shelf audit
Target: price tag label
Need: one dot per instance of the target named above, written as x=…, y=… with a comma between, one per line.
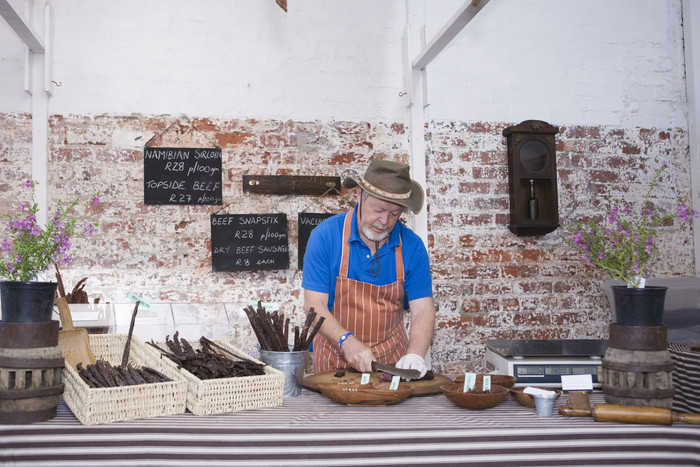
x=577, y=382
x=487, y=383
x=394, y=385
x=469, y=382
x=136, y=298
x=365, y=378
x=269, y=306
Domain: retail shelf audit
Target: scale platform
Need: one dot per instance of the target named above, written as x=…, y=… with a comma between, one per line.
x=542, y=362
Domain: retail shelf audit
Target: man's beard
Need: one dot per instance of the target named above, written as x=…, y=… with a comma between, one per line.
x=375, y=237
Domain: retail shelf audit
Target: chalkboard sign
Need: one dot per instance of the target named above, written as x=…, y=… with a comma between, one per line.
x=307, y=222
x=249, y=242
x=182, y=175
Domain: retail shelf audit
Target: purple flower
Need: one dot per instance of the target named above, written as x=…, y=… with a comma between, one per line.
x=95, y=199
x=649, y=245
x=685, y=213
x=89, y=229
x=612, y=217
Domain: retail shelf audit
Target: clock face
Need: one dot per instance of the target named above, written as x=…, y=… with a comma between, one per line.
x=534, y=156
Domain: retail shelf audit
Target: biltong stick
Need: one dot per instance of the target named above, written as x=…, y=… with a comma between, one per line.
x=270, y=334
x=315, y=329
x=95, y=373
x=87, y=377
x=223, y=349
x=103, y=368
x=257, y=328
x=176, y=342
x=279, y=330
x=296, y=338
x=310, y=316
x=125, y=357
x=61, y=289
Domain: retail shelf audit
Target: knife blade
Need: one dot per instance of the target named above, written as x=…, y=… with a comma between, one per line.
x=392, y=370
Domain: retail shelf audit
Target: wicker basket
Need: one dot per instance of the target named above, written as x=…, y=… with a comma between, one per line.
x=222, y=395
x=96, y=406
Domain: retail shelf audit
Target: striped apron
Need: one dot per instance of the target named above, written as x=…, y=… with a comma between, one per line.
x=374, y=313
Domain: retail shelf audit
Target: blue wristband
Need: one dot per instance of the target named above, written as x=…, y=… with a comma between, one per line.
x=343, y=338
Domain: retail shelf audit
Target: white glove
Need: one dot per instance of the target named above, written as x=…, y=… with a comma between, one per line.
x=413, y=361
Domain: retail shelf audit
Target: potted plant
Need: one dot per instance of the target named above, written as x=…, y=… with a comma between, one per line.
x=28, y=250
x=621, y=244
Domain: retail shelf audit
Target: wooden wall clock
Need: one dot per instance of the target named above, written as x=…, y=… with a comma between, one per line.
x=532, y=176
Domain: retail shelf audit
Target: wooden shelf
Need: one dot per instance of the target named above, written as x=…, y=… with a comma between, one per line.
x=291, y=185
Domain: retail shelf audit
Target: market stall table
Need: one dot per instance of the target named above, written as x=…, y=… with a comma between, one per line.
x=311, y=430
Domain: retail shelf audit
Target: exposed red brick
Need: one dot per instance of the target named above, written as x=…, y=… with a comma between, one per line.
x=630, y=149
x=491, y=256
x=529, y=319
x=482, y=188
x=230, y=140
x=515, y=271
x=467, y=241
x=475, y=220
x=492, y=173
x=347, y=158
x=604, y=176
x=398, y=128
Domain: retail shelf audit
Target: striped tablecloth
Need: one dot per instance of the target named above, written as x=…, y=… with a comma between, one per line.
x=310, y=430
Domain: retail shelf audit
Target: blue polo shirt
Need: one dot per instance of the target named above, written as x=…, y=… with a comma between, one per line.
x=324, y=251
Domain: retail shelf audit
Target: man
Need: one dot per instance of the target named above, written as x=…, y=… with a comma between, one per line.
x=363, y=269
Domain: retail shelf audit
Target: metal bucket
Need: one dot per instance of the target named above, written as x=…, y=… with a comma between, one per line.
x=292, y=364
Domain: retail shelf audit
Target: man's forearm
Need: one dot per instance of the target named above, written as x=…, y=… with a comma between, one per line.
x=422, y=326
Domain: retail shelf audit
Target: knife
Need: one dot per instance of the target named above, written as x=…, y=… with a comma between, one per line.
x=392, y=370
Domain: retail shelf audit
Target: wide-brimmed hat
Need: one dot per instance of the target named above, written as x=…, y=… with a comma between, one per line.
x=390, y=181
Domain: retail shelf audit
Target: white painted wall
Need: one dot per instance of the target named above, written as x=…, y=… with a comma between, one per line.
x=593, y=62
x=565, y=61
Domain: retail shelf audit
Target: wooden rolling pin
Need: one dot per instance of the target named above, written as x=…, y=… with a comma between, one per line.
x=630, y=414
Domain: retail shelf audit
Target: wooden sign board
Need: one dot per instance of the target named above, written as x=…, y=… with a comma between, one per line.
x=182, y=176
x=249, y=242
x=307, y=222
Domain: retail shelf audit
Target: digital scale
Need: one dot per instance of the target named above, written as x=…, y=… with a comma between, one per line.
x=542, y=362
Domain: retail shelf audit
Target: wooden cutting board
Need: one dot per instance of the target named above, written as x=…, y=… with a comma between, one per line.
x=420, y=388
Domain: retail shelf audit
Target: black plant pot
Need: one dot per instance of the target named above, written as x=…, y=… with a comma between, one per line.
x=639, y=306
x=27, y=302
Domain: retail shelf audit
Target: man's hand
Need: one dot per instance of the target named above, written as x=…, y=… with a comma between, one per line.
x=413, y=361
x=358, y=355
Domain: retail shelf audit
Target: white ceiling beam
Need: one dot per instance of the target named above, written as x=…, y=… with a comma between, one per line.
x=459, y=20
x=21, y=27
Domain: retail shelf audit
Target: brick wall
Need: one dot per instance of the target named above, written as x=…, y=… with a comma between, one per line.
x=15, y=157
x=491, y=284
x=488, y=283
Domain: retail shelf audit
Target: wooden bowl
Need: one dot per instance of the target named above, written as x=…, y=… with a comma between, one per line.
x=371, y=395
x=474, y=401
x=502, y=380
x=526, y=399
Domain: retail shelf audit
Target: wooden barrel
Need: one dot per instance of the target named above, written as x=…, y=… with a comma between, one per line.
x=31, y=372
x=637, y=367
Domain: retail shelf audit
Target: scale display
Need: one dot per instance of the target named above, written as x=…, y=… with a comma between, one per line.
x=544, y=362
